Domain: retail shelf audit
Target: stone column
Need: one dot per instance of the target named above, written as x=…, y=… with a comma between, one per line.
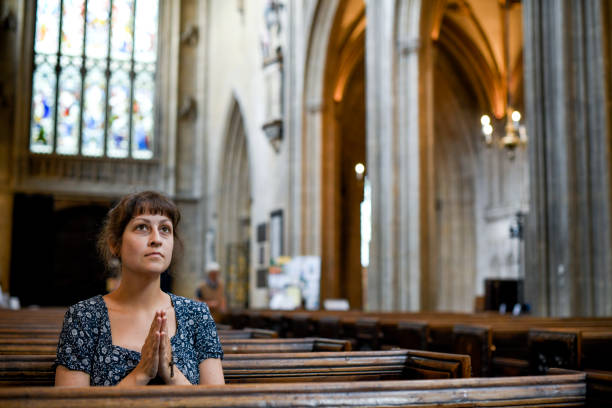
x=380, y=140
x=11, y=26
x=294, y=88
x=567, y=90
x=189, y=185
x=400, y=152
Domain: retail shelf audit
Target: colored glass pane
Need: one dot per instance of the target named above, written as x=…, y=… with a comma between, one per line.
x=68, y=114
x=43, y=108
x=142, y=116
x=47, y=26
x=97, y=28
x=104, y=27
x=122, y=29
x=72, y=27
x=94, y=99
x=145, y=42
x=119, y=114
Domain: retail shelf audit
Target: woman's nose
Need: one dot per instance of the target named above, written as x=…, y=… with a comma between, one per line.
x=155, y=239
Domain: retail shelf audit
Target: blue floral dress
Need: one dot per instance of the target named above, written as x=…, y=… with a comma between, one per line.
x=85, y=343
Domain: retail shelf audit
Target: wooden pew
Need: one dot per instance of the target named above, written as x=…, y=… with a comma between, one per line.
x=35, y=346
x=564, y=390
x=599, y=388
x=344, y=366
x=29, y=332
x=247, y=333
x=44, y=346
x=502, y=348
x=32, y=370
x=497, y=344
x=573, y=348
x=586, y=348
x=309, y=344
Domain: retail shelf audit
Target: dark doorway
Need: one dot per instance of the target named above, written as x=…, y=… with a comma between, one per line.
x=54, y=261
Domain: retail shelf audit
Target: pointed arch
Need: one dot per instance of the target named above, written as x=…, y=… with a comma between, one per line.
x=335, y=51
x=234, y=208
x=313, y=120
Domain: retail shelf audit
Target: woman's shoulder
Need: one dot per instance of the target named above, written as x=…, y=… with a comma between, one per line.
x=85, y=315
x=189, y=306
x=87, y=308
x=86, y=304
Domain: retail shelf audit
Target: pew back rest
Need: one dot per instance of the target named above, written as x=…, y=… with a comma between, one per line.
x=247, y=333
x=566, y=390
x=242, y=346
x=28, y=370
x=345, y=366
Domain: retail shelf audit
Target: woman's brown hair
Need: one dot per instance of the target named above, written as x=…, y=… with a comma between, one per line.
x=130, y=206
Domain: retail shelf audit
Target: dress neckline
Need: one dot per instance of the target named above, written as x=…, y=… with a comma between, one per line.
x=109, y=334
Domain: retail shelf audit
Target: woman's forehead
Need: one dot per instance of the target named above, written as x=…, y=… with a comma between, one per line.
x=147, y=216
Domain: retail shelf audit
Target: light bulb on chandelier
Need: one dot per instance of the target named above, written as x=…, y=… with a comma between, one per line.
x=515, y=134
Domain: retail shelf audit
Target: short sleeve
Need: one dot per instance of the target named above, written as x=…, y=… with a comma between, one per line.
x=75, y=346
x=207, y=340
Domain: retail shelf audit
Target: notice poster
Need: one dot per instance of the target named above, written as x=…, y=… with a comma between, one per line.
x=295, y=284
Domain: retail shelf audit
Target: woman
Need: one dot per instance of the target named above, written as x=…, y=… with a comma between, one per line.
x=138, y=334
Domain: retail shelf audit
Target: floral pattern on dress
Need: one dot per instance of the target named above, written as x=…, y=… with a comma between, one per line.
x=85, y=343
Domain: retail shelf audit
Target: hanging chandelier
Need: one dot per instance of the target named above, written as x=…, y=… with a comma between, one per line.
x=514, y=134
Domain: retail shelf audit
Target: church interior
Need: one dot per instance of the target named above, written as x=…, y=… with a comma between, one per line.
x=419, y=165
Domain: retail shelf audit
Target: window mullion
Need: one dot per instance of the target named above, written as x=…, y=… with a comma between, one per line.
x=132, y=76
x=83, y=74
x=107, y=74
x=58, y=72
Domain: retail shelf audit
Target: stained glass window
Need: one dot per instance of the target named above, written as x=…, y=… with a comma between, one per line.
x=93, y=83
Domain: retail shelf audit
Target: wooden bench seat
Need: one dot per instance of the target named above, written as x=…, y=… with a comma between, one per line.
x=11, y=333
x=566, y=390
x=36, y=346
x=29, y=370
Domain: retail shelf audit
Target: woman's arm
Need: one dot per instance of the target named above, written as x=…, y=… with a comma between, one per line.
x=65, y=377
x=211, y=372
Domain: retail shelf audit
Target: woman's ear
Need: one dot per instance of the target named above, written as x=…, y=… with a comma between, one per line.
x=114, y=248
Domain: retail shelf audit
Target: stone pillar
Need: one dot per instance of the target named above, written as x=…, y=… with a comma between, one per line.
x=567, y=90
x=10, y=20
x=380, y=139
x=399, y=80
x=189, y=186
x=294, y=88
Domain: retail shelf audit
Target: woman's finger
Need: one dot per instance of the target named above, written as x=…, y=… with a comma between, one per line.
x=154, y=324
x=166, y=369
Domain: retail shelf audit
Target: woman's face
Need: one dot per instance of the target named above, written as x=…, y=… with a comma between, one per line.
x=147, y=244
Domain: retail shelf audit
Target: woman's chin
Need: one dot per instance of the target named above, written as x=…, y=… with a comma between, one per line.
x=151, y=270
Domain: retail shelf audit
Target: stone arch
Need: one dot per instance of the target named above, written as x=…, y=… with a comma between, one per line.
x=334, y=53
x=313, y=120
x=234, y=208
x=343, y=145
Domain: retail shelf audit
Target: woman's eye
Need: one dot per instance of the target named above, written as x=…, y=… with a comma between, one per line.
x=166, y=229
x=142, y=227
